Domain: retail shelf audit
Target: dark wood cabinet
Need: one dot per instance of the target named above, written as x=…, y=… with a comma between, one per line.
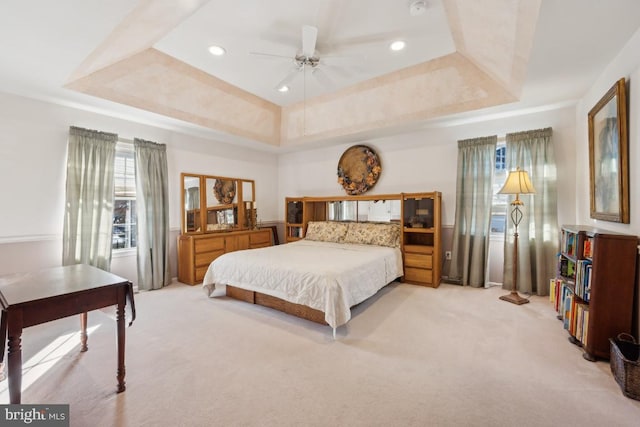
x=594, y=286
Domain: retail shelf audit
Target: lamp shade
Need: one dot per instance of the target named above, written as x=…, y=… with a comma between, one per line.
x=518, y=182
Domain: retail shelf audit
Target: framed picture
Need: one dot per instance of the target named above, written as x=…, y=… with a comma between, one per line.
x=608, y=156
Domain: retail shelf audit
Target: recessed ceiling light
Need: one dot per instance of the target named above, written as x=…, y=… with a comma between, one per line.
x=283, y=88
x=217, y=50
x=397, y=45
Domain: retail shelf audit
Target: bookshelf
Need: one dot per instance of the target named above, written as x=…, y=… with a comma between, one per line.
x=594, y=286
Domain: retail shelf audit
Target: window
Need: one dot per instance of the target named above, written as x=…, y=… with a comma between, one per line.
x=125, y=232
x=499, y=204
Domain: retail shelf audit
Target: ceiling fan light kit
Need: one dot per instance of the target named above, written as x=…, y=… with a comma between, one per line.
x=307, y=59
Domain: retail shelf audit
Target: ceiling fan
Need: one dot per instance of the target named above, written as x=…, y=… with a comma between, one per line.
x=307, y=59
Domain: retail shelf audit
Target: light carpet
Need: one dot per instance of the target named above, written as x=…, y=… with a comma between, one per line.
x=410, y=356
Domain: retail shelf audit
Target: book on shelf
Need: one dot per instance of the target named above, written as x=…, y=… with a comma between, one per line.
x=563, y=266
x=557, y=293
x=588, y=248
x=587, y=294
x=571, y=269
x=567, y=267
x=582, y=322
x=585, y=326
x=573, y=318
x=571, y=310
x=583, y=275
x=566, y=309
x=295, y=231
x=570, y=243
x=579, y=319
x=565, y=304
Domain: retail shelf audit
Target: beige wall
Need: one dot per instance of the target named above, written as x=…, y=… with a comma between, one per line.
x=426, y=160
x=32, y=177
x=32, y=174
x=626, y=64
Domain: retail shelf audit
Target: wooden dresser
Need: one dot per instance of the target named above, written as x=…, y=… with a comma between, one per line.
x=196, y=251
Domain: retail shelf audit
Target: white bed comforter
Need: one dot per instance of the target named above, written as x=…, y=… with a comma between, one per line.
x=331, y=277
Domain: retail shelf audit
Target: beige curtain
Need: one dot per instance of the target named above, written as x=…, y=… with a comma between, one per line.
x=152, y=197
x=474, y=195
x=88, y=215
x=533, y=152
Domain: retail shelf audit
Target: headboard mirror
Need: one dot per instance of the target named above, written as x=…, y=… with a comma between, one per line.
x=364, y=210
x=216, y=203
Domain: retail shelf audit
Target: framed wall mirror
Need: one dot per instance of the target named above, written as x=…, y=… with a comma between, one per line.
x=215, y=203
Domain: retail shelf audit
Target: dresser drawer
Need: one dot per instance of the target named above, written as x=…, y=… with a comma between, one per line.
x=260, y=239
x=261, y=245
x=204, y=259
x=418, y=249
x=200, y=272
x=418, y=260
x=236, y=243
x=209, y=244
x=418, y=275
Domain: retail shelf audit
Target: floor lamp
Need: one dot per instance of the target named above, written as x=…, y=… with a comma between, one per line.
x=517, y=183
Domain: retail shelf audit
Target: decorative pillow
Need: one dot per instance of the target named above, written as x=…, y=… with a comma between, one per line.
x=368, y=233
x=326, y=231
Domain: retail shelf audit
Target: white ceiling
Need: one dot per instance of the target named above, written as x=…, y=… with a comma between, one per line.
x=352, y=44
x=43, y=42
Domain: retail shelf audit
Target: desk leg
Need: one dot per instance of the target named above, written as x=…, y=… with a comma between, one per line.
x=3, y=343
x=14, y=358
x=122, y=294
x=83, y=332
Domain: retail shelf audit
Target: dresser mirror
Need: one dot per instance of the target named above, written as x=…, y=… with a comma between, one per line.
x=215, y=203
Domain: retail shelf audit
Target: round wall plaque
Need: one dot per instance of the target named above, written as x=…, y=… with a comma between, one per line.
x=358, y=169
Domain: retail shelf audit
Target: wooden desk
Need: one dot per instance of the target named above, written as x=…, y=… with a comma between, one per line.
x=30, y=299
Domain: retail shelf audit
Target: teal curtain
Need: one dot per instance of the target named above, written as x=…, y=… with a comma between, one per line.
x=152, y=197
x=533, y=152
x=88, y=217
x=474, y=195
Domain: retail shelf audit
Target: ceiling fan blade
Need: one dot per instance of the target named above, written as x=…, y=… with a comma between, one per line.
x=378, y=39
x=322, y=77
x=269, y=55
x=341, y=72
x=288, y=78
x=309, y=38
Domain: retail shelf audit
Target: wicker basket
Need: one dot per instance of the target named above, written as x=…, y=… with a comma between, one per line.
x=625, y=365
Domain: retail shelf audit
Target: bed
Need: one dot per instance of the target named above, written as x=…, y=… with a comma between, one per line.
x=337, y=266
